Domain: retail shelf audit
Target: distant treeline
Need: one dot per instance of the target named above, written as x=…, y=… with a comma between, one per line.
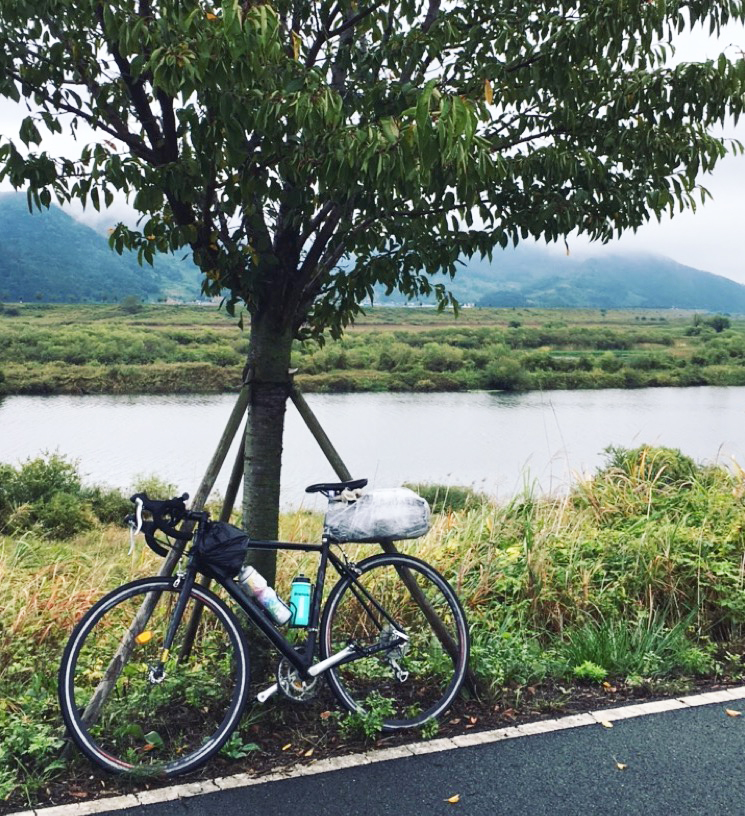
x=177, y=349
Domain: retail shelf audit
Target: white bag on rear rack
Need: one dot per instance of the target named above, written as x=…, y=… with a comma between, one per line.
x=394, y=513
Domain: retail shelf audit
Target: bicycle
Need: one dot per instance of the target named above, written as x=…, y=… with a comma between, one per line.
x=155, y=676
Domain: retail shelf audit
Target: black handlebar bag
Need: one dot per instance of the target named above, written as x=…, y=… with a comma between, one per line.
x=221, y=551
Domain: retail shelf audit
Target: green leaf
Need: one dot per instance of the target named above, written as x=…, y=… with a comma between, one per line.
x=153, y=738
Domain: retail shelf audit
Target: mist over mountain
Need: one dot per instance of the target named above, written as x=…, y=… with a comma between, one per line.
x=50, y=257
x=529, y=276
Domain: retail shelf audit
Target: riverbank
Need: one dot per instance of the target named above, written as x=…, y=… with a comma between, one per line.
x=628, y=586
x=179, y=349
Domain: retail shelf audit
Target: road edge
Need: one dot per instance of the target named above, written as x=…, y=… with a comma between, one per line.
x=602, y=716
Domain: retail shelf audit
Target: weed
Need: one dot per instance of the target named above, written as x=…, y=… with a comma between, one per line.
x=237, y=748
x=368, y=722
x=430, y=729
x=590, y=671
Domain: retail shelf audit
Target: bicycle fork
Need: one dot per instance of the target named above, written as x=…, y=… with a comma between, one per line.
x=156, y=672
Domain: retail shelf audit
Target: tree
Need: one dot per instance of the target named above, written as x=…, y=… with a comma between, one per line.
x=130, y=304
x=718, y=322
x=307, y=151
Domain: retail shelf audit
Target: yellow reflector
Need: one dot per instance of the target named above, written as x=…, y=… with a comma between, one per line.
x=144, y=637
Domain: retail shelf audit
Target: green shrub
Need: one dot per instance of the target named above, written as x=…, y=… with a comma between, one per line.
x=666, y=466
x=155, y=487
x=45, y=495
x=131, y=305
x=109, y=506
x=39, y=479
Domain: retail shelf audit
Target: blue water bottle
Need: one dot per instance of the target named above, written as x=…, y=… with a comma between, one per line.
x=300, y=601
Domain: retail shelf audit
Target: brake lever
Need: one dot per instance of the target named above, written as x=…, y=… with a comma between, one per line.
x=134, y=529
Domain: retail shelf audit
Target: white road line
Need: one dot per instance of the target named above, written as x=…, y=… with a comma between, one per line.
x=418, y=748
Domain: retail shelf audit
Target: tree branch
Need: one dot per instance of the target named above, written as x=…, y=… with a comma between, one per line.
x=339, y=31
x=319, y=245
x=136, y=92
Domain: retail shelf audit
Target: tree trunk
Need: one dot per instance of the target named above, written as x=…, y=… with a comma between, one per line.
x=268, y=379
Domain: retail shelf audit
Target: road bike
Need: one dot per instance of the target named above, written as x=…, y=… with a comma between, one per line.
x=155, y=677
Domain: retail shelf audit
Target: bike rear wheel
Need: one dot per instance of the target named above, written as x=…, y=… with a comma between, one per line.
x=404, y=681
x=120, y=714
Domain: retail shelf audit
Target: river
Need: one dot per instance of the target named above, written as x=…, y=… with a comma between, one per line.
x=496, y=442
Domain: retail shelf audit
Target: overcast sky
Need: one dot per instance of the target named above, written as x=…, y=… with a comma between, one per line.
x=709, y=239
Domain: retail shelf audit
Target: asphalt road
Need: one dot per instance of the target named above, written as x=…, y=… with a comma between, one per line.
x=678, y=763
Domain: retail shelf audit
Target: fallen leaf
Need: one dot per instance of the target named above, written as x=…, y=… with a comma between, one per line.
x=455, y=721
x=606, y=724
x=473, y=720
x=324, y=715
x=453, y=799
x=730, y=712
x=287, y=747
x=309, y=752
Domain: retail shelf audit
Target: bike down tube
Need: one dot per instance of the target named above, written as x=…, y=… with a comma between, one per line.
x=314, y=619
x=261, y=621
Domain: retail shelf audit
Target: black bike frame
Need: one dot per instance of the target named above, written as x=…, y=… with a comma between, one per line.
x=300, y=659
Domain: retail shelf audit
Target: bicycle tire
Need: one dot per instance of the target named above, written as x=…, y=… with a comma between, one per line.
x=372, y=684
x=144, y=727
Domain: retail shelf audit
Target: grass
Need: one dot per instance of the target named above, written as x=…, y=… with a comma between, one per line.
x=634, y=578
x=68, y=349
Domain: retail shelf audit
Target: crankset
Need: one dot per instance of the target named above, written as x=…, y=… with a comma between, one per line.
x=292, y=685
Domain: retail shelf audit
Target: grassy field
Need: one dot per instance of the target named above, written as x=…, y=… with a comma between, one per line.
x=633, y=581
x=172, y=349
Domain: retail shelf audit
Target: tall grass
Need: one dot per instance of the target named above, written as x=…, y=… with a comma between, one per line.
x=635, y=576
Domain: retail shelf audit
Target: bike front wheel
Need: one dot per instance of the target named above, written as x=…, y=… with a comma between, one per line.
x=411, y=637
x=127, y=717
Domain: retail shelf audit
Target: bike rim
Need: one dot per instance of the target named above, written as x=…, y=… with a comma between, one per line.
x=155, y=728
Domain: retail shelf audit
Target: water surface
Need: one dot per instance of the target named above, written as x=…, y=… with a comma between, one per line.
x=494, y=441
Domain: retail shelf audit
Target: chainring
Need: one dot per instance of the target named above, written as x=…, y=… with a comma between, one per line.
x=292, y=685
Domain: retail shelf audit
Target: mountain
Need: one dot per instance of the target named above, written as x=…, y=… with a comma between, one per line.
x=48, y=256
x=618, y=282
x=528, y=276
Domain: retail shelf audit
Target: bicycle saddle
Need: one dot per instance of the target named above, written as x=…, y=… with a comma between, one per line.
x=336, y=487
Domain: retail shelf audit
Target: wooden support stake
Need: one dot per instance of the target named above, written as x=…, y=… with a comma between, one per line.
x=236, y=476
x=314, y=426
x=119, y=661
